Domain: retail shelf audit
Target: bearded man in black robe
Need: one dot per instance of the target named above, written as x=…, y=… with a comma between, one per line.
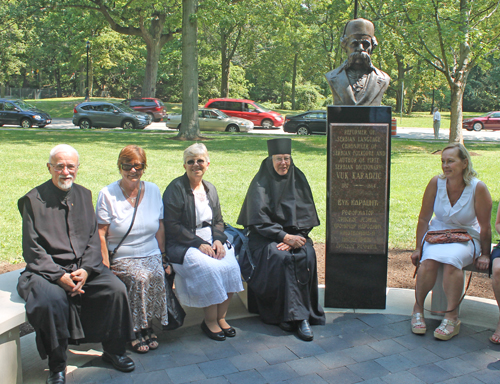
x=70, y=295
x=279, y=213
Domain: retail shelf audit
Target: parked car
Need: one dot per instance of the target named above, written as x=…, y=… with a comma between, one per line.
x=249, y=110
x=108, y=115
x=491, y=120
x=153, y=107
x=213, y=120
x=19, y=113
x=306, y=123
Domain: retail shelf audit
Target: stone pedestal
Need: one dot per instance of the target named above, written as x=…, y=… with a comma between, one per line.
x=359, y=148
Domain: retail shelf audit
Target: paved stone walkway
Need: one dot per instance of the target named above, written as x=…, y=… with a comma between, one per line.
x=350, y=348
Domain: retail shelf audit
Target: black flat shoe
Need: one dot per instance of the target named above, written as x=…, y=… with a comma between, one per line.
x=57, y=377
x=120, y=362
x=287, y=326
x=304, y=331
x=229, y=332
x=218, y=336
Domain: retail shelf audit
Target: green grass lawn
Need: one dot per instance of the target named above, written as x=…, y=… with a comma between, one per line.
x=234, y=161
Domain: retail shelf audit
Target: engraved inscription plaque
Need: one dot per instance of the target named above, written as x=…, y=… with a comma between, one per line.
x=358, y=194
x=357, y=220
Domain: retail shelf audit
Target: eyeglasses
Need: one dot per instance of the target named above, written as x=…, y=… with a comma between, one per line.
x=60, y=167
x=128, y=167
x=199, y=162
x=280, y=159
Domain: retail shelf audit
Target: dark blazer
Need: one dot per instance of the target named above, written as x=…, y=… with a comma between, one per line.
x=376, y=86
x=180, y=218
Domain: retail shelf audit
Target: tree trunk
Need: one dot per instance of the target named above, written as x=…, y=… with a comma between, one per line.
x=153, y=50
x=225, y=66
x=401, y=77
x=457, y=94
x=190, y=128
x=82, y=81
x=57, y=75
x=294, y=78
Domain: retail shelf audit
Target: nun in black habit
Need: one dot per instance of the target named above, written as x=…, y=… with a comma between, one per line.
x=279, y=213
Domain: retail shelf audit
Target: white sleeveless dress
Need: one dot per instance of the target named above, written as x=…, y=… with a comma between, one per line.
x=461, y=216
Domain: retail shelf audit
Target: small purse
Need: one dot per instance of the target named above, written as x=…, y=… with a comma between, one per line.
x=448, y=236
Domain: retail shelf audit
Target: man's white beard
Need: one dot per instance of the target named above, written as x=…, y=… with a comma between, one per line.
x=65, y=184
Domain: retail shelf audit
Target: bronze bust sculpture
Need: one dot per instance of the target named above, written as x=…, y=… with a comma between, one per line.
x=357, y=81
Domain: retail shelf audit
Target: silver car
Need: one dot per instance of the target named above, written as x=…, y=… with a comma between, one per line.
x=213, y=120
x=108, y=115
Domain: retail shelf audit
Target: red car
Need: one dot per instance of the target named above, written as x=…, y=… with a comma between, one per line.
x=491, y=120
x=247, y=109
x=153, y=107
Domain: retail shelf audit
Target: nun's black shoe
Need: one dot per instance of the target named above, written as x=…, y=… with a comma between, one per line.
x=57, y=377
x=218, y=336
x=304, y=331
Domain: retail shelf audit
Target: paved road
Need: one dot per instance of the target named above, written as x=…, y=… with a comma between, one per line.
x=403, y=133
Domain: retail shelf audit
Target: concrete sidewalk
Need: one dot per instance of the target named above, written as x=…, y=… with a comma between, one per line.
x=371, y=346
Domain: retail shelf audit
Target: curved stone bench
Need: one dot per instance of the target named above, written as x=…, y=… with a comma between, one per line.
x=12, y=315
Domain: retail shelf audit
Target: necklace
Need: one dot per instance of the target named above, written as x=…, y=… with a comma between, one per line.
x=132, y=199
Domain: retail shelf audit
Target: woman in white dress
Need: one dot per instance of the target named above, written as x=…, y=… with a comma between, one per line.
x=207, y=273
x=458, y=200
x=137, y=261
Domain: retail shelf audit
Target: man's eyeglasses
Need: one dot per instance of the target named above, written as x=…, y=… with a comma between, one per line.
x=60, y=167
x=128, y=167
x=199, y=162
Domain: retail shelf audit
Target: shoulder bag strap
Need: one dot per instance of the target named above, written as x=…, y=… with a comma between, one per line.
x=131, y=224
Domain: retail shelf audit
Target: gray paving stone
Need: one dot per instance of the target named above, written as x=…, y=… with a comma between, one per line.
x=401, y=378
x=340, y=376
x=386, y=332
x=247, y=345
x=479, y=359
x=375, y=380
x=89, y=375
x=248, y=361
x=216, y=368
x=185, y=374
x=128, y=379
x=374, y=320
x=368, y=370
x=306, y=349
x=388, y=347
x=468, y=343
x=152, y=377
x=430, y=373
x=402, y=327
x=335, y=343
x=358, y=338
x=456, y=366
x=155, y=362
x=395, y=363
x=277, y=372
x=336, y=359
x=307, y=366
x=421, y=356
x=487, y=376
x=309, y=379
x=350, y=326
x=246, y=377
x=362, y=353
x=213, y=380
x=444, y=349
x=462, y=380
x=412, y=341
x=277, y=355
x=193, y=356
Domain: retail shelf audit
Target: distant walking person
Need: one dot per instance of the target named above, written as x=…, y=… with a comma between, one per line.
x=437, y=122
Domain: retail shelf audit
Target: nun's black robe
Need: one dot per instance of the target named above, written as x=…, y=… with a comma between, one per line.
x=285, y=283
x=60, y=236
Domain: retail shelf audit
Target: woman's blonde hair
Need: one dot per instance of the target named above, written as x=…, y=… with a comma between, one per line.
x=469, y=172
x=197, y=149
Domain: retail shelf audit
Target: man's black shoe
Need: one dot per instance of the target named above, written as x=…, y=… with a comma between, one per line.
x=304, y=331
x=57, y=377
x=287, y=326
x=121, y=362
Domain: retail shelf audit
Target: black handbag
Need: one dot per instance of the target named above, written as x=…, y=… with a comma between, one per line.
x=176, y=313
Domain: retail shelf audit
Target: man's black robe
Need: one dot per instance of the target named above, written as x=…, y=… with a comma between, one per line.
x=60, y=236
x=285, y=283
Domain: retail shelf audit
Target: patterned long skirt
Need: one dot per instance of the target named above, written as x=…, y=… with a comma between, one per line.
x=145, y=281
